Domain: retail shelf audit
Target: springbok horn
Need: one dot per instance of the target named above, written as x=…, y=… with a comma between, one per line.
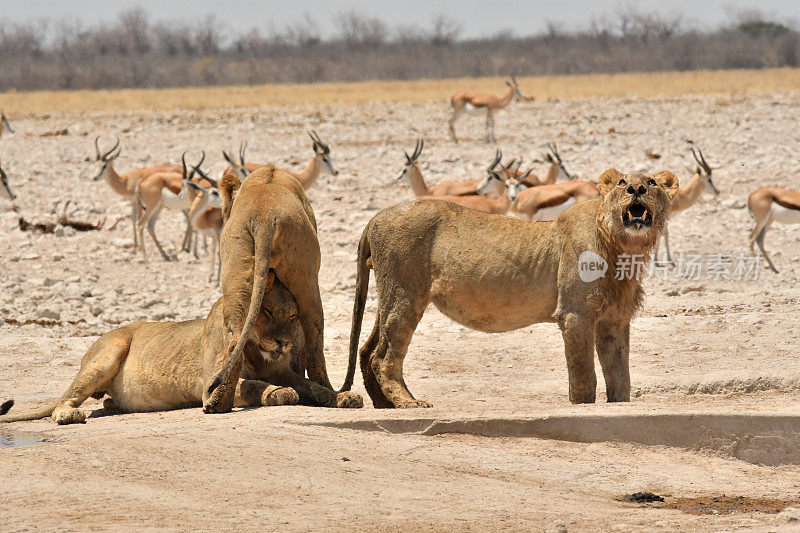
x=184, y=173
x=498, y=155
x=97, y=147
x=417, y=150
x=112, y=149
x=315, y=137
x=322, y=144
x=705, y=163
x=203, y=175
x=242, y=150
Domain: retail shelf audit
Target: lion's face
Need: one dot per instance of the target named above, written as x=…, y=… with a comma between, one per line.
x=277, y=328
x=636, y=207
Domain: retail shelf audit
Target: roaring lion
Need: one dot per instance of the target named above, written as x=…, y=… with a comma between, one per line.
x=157, y=366
x=269, y=224
x=496, y=274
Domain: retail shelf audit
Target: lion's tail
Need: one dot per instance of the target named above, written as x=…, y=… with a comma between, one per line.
x=362, y=284
x=263, y=240
x=34, y=414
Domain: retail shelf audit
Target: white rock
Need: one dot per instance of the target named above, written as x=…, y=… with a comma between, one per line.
x=49, y=313
x=122, y=243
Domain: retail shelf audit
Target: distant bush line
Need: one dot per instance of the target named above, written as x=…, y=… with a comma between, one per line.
x=134, y=51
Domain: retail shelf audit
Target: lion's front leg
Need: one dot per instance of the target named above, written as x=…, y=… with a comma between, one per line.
x=255, y=393
x=578, y=335
x=613, y=344
x=312, y=393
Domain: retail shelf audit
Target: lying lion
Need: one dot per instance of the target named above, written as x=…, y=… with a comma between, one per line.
x=495, y=274
x=156, y=366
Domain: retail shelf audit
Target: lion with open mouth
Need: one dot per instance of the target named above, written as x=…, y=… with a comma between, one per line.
x=494, y=274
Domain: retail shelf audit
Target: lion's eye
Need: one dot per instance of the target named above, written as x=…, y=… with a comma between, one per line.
x=267, y=312
x=652, y=183
x=622, y=183
x=293, y=316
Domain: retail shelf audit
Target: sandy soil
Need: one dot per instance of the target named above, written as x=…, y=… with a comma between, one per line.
x=715, y=376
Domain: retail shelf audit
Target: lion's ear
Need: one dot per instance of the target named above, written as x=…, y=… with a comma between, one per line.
x=228, y=187
x=608, y=180
x=668, y=181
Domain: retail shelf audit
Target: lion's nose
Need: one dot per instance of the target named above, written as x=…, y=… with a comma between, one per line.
x=637, y=191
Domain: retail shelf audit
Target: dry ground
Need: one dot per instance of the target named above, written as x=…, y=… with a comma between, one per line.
x=715, y=373
x=648, y=84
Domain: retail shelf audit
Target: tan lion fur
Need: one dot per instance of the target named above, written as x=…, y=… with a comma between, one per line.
x=497, y=274
x=269, y=224
x=156, y=366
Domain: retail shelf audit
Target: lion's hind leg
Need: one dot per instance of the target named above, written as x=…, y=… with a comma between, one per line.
x=397, y=320
x=379, y=399
x=98, y=370
x=255, y=393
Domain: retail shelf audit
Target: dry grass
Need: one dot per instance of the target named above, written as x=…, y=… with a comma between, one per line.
x=638, y=84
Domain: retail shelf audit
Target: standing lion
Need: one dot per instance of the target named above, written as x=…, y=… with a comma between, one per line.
x=269, y=225
x=497, y=274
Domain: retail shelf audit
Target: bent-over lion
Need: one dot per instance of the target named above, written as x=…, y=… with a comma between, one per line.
x=497, y=274
x=157, y=366
x=269, y=224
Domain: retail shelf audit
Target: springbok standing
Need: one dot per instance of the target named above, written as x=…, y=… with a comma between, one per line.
x=164, y=189
x=205, y=216
x=5, y=187
x=4, y=124
x=321, y=163
x=125, y=184
x=768, y=205
x=477, y=102
x=687, y=196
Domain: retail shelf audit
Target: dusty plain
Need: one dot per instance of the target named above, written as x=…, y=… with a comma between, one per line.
x=714, y=364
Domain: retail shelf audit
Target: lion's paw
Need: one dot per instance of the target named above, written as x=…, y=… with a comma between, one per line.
x=349, y=400
x=221, y=401
x=109, y=405
x=69, y=415
x=280, y=396
x=413, y=404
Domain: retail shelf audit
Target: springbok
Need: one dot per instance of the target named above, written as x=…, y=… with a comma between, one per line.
x=687, y=196
x=498, y=206
x=546, y=202
x=205, y=216
x=321, y=163
x=4, y=124
x=477, y=102
x=413, y=174
x=165, y=189
x=125, y=184
x=5, y=187
x=768, y=205
x=240, y=168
